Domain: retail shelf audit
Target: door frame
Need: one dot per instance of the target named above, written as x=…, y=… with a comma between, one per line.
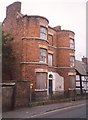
x=50, y=84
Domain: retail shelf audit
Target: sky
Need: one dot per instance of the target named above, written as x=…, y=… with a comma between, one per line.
x=69, y=14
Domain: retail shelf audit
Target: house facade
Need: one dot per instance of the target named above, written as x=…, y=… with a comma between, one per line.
x=82, y=75
x=43, y=55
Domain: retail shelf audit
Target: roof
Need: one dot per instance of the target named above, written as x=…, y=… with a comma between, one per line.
x=36, y=16
x=80, y=67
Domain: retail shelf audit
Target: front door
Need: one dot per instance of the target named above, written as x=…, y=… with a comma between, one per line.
x=50, y=87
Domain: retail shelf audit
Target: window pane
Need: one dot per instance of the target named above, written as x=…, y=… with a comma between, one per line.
x=42, y=55
x=77, y=77
x=72, y=43
x=43, y=33
x=50, y=59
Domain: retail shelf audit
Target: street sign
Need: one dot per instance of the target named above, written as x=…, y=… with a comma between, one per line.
x=31, y=84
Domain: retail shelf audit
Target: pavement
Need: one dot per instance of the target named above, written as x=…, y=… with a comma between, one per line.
x=29, y=112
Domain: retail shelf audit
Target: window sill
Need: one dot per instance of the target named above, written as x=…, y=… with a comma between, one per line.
x=40, y=90
x=50, y=66
x=41, y=62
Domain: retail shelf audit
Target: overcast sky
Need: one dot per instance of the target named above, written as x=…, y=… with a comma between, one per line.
x=69, y=14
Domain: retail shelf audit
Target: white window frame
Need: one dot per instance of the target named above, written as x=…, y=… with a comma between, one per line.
x=43, y=33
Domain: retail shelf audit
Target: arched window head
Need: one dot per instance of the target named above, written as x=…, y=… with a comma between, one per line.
x=50, y=76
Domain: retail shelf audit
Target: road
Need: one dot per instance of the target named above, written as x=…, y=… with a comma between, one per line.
x=72, y=109
x=77, y=111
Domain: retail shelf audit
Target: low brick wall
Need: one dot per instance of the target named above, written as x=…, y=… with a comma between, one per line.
x=22, y=93
x=15, y=95
x=40, y=95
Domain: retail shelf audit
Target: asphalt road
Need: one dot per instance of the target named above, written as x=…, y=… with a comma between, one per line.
x=78, y=111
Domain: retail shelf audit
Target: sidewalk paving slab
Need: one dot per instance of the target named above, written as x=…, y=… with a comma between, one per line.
x=28, y=112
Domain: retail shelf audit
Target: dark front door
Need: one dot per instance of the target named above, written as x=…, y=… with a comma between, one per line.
x=50, y=87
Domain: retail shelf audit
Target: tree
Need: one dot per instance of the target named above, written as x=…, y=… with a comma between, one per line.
x=7, y=55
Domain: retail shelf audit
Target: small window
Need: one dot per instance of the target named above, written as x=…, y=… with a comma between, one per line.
x=72, y=43
x=77, y=77
x=72, y=60
x=50, y=59
x=43, y=33
x=42, y=55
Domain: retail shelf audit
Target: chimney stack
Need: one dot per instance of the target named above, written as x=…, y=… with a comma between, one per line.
x=57, y=28
x=12, y=9
x=85, y=60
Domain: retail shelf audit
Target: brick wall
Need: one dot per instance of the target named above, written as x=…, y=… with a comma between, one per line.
x=15, y=94
x=27, y=43
x=22, y=93
x=64, y=53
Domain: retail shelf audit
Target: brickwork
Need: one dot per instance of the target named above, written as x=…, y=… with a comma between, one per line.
x=15, y=94
x=22, y=93
x=27, y=43
x=41, y=95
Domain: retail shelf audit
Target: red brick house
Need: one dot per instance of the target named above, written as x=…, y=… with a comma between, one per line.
x=43, y=55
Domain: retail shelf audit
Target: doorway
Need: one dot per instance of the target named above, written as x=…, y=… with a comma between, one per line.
x=50, y=87
x=50, y=84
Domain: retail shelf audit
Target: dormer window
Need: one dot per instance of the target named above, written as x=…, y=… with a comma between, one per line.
x=43, y=33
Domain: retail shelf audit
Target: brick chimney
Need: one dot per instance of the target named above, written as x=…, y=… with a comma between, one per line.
x=12, y=9
x=57, y=28
x=85, y=60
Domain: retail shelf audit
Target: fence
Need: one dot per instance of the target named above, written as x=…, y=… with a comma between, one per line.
x=68, y=95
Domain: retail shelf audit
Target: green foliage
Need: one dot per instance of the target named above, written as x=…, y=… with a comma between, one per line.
x=7, y=55
x=6, y=45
